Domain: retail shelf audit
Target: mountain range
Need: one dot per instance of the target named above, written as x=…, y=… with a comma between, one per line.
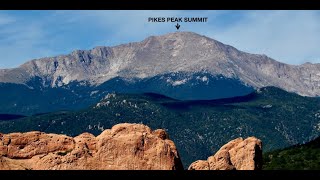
x=181, y=65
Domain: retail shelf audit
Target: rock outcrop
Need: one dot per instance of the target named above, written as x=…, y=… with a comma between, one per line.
x=238, y=154
x=124, y=147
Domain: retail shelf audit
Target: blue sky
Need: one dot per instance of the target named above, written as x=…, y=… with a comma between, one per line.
x=292, y=37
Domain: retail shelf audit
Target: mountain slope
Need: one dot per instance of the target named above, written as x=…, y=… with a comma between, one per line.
x=175, y=52
x=181, y=65
x=280, y=119
x=27, y=100
x=298, y=157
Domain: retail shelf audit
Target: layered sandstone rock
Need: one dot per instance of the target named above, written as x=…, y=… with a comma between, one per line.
x=125, y=146
x=238, y=154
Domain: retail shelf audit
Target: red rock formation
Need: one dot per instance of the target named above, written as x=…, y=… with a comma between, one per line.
x=238, y=154
x=125, y=146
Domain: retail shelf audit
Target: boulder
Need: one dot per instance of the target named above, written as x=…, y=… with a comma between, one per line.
x=238, y=154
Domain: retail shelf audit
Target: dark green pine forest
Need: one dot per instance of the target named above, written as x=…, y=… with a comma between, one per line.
x=298, y=157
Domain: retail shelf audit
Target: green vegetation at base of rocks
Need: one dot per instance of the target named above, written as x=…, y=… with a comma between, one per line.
x=298, y=157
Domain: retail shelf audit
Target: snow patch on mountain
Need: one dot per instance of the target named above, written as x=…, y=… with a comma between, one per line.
x=180, y=82
x=204, y=79
x=177, y=82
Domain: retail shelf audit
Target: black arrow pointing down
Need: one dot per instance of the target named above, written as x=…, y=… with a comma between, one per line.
x=177, y=26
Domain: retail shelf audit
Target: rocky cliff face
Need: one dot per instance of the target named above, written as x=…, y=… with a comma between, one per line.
x=175, y=52
x=125, y=146
x=238, y=154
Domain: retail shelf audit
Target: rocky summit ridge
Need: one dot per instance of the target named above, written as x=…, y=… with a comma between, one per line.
x=174, y=52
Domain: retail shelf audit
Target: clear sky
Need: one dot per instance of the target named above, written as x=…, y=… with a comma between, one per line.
x=292, y=37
